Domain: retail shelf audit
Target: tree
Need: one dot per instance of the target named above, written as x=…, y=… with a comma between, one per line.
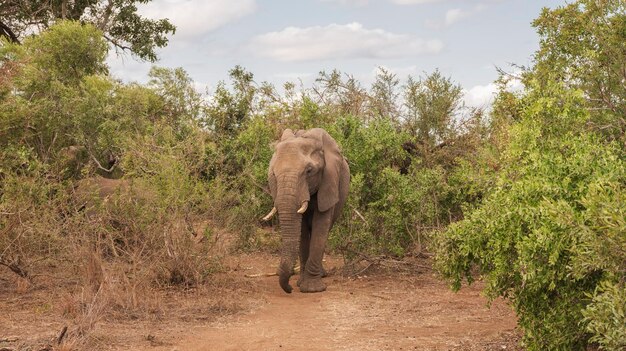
x=384, y=95
x=550, y=235
x=583, y=44
x=182, y=102
x=230, y=110
x=344, y=97
x=56, y=77
x=58, y=97
x=431, y=104
x=119, y=20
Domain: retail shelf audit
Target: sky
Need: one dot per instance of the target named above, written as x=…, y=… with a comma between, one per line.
x=292, y=41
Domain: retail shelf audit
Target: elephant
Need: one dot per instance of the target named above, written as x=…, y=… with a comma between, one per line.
x=309, y=180
x=89, y=193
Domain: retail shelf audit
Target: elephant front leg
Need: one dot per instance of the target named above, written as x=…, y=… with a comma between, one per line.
x=311, y=276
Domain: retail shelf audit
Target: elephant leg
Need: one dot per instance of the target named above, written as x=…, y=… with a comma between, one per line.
x=311, y=280
x=305, y=242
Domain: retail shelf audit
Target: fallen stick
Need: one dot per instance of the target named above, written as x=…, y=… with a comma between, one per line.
x=295, y=271
x=61, y=335
x=260, y=275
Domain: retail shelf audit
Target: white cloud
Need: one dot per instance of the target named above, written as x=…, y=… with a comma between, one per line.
x=197, y=17
x=455, y=15
x=125, y=67
x=414, y=2
x=336, y=41
x=482, y=96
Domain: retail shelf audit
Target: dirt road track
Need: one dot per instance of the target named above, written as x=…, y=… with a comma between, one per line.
x=381, y=312
x=388, y=310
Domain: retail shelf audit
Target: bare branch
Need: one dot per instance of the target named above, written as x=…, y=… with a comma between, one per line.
x=117, y=44
x=94, y=159
x=360, y=215
x=6, y=32
x=15, y=268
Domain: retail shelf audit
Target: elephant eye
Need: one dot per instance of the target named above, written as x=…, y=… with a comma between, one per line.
x=309, y=170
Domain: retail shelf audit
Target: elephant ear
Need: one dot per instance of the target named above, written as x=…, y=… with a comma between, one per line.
x=328, y=193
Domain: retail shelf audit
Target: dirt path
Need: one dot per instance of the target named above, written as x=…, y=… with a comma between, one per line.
x=393, y=310
x=380, y=312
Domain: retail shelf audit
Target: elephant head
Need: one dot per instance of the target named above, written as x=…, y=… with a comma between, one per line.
x=90, y=192
x=308, y=178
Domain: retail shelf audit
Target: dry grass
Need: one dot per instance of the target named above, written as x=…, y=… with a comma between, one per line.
x=99, y=298
x=105, y=257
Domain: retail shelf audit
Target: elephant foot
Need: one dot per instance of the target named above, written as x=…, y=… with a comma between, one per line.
x=311, y=285
x=323, y=274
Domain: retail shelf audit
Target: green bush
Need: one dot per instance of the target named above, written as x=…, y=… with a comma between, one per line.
x=531, y=238
x=605, y=316
x=387, y=213
x=550, y=233
x=245, y=168
x=65, y=121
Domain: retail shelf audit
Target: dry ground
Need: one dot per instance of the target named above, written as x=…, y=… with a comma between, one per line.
x=381, y=310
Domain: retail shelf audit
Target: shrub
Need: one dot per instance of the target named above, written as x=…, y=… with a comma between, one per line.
x=532, y=237
x=32, y=230
x=605, y=316
x=61, y=125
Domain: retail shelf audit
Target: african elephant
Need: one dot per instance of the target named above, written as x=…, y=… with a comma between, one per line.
x=309, y=181
x=90, y=193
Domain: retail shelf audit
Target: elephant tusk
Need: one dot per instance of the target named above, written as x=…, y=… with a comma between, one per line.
x=269, y=215
x=303, y=208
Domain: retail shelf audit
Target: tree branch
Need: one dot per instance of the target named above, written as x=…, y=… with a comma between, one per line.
x=117, y=44
x=94, y=159
x=15, y=268
x=6, y=32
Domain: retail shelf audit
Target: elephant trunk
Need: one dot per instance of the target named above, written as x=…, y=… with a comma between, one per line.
x=287, y=203
x=290, y=226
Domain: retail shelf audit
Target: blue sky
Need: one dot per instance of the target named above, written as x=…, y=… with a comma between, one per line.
x=281, y=40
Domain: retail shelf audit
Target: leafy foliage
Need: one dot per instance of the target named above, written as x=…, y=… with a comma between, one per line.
x=119, y=21
x=63, y=122
x=605, y=316
x=431, y=103
x=549, y=235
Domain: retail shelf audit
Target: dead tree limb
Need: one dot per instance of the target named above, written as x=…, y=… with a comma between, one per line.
x=61, y=335
x=16, y=268
x=295, y=271
x=6, y=32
